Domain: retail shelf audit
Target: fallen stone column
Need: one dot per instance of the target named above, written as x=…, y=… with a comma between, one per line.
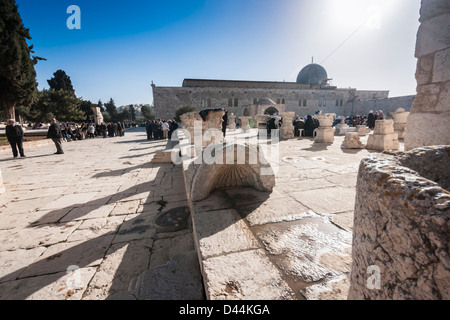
x=401, y=226
x=352, y=141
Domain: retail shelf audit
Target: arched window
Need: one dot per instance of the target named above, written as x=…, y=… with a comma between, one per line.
x=208, y=103
x=300, y=102
x=324, y=102
x=230, y=102
x=278, y=101
x=236, y=102
x=283, y=101
x=337, y=103
x=342, y=102
x=320, y=102
x=255, y=101
x=304, y=102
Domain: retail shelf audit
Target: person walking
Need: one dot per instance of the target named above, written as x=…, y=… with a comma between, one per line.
x=54, y=133
x=14, y=134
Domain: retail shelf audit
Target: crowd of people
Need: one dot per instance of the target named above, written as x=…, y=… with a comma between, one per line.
x=160, y=129
x=92, y=130
x=309, y=123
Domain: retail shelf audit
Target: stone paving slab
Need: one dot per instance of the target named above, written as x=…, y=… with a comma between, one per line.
x=83, y=210
x=101, y=217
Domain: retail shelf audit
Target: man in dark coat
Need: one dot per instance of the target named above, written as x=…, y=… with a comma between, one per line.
x=14, y=134
x=371, y=120
x=54, y=133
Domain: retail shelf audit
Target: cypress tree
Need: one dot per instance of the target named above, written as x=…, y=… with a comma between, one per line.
x=18, y=84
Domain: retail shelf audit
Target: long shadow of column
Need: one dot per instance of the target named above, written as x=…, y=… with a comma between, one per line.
x=81, y=255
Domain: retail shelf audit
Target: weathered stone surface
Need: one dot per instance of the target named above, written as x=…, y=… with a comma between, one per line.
x=115, y=272
x=287, y=128
x=220, y=232
x=418, y=130
x=311, y=248
x=401, y=226
x=2, y=186
x=59, y=286
x=441, y=70
x=239, y=281
x=177, y=280
x=352, y=141
x=433, y=35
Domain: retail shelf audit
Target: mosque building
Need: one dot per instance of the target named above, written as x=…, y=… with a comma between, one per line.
x=310, y=93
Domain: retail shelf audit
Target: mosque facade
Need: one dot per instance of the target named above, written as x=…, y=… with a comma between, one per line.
x=310, y=93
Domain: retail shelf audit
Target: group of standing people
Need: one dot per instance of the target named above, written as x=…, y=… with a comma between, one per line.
x=160, y=129
x=374, y=116
x=64, y=132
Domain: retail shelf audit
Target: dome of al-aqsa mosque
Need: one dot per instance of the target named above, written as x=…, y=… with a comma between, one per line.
x=312, y=74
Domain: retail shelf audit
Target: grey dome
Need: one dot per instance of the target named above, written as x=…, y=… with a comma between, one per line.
x=312, y=74
x=265, y=101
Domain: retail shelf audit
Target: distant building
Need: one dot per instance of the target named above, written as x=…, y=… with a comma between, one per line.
x=311, y=92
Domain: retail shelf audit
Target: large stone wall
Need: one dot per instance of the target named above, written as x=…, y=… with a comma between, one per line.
x=429, y=121
x=168, y=99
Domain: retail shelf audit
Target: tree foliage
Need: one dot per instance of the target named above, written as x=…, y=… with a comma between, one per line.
x=182, y=111
x=18, y=84
x=147, y=113
x=111, y=109
x=61, y=81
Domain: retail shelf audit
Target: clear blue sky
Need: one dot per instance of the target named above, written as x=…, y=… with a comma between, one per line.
x=125, y=45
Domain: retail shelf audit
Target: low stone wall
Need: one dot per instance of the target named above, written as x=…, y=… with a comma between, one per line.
x=401, y=226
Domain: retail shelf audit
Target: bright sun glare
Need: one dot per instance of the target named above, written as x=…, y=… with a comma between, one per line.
x=348, y=13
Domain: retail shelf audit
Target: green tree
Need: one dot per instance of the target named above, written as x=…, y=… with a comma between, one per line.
x=62, y=105
x=61, y=81
x=111, y=109
x=86, y=107
x=132, y=112
x=18, y=84
x=147, y=112
x=182, y=111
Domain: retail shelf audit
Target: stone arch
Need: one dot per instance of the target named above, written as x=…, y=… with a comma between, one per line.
x=271, y=111
x=242, y=165
x=246, y=113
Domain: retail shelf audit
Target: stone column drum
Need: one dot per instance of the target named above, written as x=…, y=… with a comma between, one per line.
x=352, y=141
x=244, y=123
x=232, y=121
x=401, y=226
x=287, y=128
x=325, y=131
x=383, y=137
x=400, y=117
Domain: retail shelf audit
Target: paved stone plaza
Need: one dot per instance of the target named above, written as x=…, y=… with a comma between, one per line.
x=95, y=210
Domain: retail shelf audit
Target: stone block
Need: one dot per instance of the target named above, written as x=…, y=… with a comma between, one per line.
x=401, y=226
x=384, y=127
x=433, y=35
x=424, y=71
x=352, y=141
x=441, y=70
x=246, y=275
x=433, y=8
x=383, y=142
x=418, y=133
x=324, y=135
